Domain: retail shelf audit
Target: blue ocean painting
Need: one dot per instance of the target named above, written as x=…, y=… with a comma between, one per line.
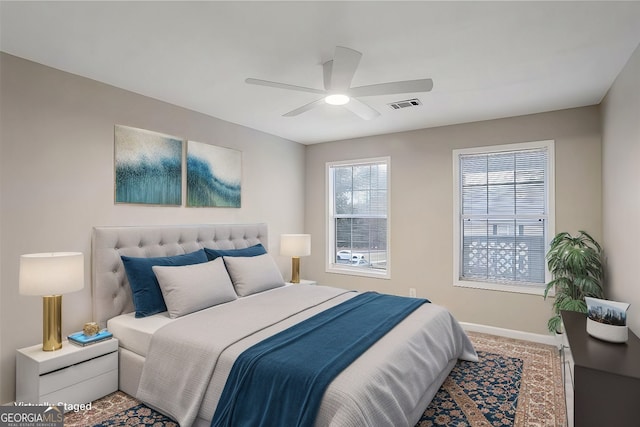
x=148, y=167
x=214, y=176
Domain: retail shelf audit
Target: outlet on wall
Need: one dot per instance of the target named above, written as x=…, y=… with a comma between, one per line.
x=412, y=292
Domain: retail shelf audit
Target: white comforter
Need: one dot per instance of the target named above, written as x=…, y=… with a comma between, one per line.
x=189, y=359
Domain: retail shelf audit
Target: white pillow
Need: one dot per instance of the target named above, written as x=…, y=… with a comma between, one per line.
x=194, y=287
x=253, y=274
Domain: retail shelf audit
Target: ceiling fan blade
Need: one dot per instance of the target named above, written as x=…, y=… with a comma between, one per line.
x=361, y=109
x=406, y=86
x=345, y=63
x=326, y=74
x=304, y=108
x=283, y=86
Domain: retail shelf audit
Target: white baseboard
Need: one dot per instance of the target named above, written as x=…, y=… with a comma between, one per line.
x=511, y=333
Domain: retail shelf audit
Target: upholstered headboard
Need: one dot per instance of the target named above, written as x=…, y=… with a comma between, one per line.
x=111, y=292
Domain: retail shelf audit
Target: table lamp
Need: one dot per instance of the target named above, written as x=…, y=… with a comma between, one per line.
x=51, y=275
x=295, y=246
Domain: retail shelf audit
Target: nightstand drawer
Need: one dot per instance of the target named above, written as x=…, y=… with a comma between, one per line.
x=85, y=391
x=74, y=374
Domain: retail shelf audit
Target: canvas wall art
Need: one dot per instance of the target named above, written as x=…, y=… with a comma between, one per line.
x=214, y=176
x=148, y=167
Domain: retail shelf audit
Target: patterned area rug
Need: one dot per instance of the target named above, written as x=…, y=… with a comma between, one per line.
x=516, y=383
x=477, y=394
x=541, y=401
x=117, y=409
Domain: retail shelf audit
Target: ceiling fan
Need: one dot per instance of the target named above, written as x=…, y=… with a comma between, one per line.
x=338, y=74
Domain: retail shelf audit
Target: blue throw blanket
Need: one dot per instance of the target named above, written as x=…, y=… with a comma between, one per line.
x=280, y=381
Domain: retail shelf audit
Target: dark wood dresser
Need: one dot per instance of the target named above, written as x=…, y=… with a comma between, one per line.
x=606, y=377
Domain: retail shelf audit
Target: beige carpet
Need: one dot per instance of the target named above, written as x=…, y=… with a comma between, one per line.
x=540, y=402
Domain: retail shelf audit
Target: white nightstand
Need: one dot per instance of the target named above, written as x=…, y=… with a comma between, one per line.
x=304, y=282
x=71, y=375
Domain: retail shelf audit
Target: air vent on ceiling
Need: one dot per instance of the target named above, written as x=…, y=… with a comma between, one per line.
x=414, y=102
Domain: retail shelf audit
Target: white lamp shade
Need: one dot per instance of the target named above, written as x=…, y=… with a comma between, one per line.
x=51, y=273
x=295, y=244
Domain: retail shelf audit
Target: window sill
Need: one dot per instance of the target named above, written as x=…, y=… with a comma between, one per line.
x=376, y=274
x=506, y=287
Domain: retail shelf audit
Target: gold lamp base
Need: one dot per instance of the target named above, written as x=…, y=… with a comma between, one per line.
x=295, y=269
x=51, y=322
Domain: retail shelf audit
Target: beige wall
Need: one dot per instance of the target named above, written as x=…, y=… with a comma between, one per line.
x=621, y=187
x=422, y=207
x=56, y=177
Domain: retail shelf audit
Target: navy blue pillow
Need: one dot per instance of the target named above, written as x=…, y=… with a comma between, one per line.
x=254, y=250
x=147, y=296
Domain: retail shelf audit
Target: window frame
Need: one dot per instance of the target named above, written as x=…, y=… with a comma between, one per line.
x=504, y=286
x=331, y=266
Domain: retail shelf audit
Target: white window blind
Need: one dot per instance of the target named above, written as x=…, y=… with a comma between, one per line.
x=358, y=216
x=504, y=216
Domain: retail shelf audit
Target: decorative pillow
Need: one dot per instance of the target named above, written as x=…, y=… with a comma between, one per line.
x=147, y=296
x=253, y=274
x=194, y=287
x=254, y=250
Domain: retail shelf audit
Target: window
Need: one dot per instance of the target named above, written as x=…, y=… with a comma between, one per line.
x=504, y=216
x=358, y=217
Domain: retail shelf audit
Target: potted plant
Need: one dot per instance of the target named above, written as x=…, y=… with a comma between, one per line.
x=577, y=269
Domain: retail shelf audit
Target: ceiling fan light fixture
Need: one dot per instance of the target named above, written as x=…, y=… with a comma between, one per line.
x=337, y=99
x=337, y=75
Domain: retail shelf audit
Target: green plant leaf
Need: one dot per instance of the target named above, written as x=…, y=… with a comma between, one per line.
x=569, y=304
x=589, y=286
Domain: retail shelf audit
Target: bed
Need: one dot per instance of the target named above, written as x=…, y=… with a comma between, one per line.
x=166, y=361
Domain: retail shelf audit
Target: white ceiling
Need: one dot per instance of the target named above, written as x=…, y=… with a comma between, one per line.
x=487, y=59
